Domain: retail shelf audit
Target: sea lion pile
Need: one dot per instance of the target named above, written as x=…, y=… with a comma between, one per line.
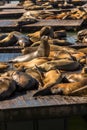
x=45, y=67
x=34, y=16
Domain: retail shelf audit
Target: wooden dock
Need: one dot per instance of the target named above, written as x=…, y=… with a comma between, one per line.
x=9, y=25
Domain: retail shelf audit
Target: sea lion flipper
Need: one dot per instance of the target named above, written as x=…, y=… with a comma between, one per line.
x=43, y=92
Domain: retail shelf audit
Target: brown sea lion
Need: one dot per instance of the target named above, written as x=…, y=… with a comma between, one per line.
x=33, y=62
x=83, y=50
x=59, y=34
x=81, y=34
x=60, y=42
x=3, y=66
x=52, y=48
x=63, y=88
x=42, y=51
x=51, y=77
x=61, y=55
x=48, y=31
x=61, y=64
x=7, y=87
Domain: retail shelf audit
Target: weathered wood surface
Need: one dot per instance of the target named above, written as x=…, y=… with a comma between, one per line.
x=9, y=25
x=11, y=6
x=12, y=13
x=56, y=22
x=25, y=107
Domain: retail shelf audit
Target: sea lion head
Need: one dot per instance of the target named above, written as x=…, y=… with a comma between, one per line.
x=48, y=31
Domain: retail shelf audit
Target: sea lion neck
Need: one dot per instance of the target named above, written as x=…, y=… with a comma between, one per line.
x=44, y=48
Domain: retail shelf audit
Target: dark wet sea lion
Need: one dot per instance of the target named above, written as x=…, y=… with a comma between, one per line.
x=63, y=89
x=42, y=51
x=59, y=34
x=7, y=87
x=35, y=74
x=62, y=64
x=60, y=42
x=22, y=39
x=24, y=81
x=9, y=40
x=2, y=36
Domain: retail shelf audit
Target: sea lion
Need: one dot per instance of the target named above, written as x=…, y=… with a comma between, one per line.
x=60, y=42
x=33, y=62
x=3, y=66
x=52, y=48
x=83, y=50
x=9, y=40
x=81, y=34
x=42, y=51
x=61, y=55
x=51, y=77
x=63, y=88
x=7, y=87
x=76, y=77
x=22, y=39
x=59, y=34
x=61, y=64
x=24, y=81
x=48, y=31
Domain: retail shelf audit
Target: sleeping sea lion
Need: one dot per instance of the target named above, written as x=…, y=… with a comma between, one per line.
x=7, y=87
x=22, y=39
x=63, y=88
x=33, y=62
x=52, y=48
x=42, y=51
x=60, y=42
x=59, y=34
x=51, y=77
x=61, y=64
x=24, y=81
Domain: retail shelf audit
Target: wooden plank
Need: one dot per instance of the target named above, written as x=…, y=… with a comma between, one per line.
x=11, y=13
x=9, y=25
x=11, y=6
x=59, y=23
